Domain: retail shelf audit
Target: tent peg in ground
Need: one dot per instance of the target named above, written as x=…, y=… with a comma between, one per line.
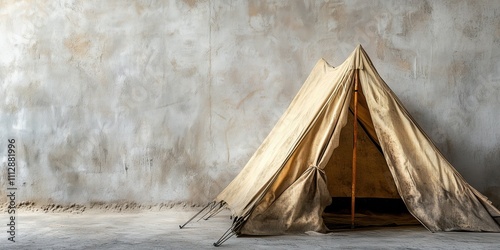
x=230, y=232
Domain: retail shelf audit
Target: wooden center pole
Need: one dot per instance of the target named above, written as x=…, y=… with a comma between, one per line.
x=355, y=141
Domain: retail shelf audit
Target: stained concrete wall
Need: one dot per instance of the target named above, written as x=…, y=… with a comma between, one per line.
x=165, y=101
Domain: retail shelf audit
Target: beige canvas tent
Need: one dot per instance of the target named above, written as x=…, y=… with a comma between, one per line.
x=284, y=188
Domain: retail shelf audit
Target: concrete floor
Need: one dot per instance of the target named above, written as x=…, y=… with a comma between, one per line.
x=99, y=229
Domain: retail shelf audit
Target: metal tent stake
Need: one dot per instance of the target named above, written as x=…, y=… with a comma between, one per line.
x=355, y=141
x=210, y=203
x=231, y=231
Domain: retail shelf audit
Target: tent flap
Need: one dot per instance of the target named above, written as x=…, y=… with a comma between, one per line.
x=298, y=209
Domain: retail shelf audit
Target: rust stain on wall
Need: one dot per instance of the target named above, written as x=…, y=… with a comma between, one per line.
x=255, y=7
x=78, y=44
x=191, y=3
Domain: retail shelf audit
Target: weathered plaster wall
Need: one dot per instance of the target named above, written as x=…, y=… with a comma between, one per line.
x=165, y=101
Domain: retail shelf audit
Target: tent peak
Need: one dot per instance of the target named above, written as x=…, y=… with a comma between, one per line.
x=357, y=57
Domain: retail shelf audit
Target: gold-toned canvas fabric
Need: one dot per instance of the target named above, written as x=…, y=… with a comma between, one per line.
x=281, y=215
x=283, y=187
x=433, y=191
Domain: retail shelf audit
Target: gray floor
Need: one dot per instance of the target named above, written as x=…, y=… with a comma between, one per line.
x=99, y=229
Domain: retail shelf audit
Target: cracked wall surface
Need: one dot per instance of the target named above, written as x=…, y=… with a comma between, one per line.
x=165, y=101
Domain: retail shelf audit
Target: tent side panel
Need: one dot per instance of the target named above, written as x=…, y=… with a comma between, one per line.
x=431, y=188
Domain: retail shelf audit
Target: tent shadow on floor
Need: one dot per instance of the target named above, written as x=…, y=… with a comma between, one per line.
x=343, y=221
x=370, y=212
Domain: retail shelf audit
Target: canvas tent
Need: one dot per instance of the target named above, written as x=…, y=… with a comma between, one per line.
x=283, y=187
